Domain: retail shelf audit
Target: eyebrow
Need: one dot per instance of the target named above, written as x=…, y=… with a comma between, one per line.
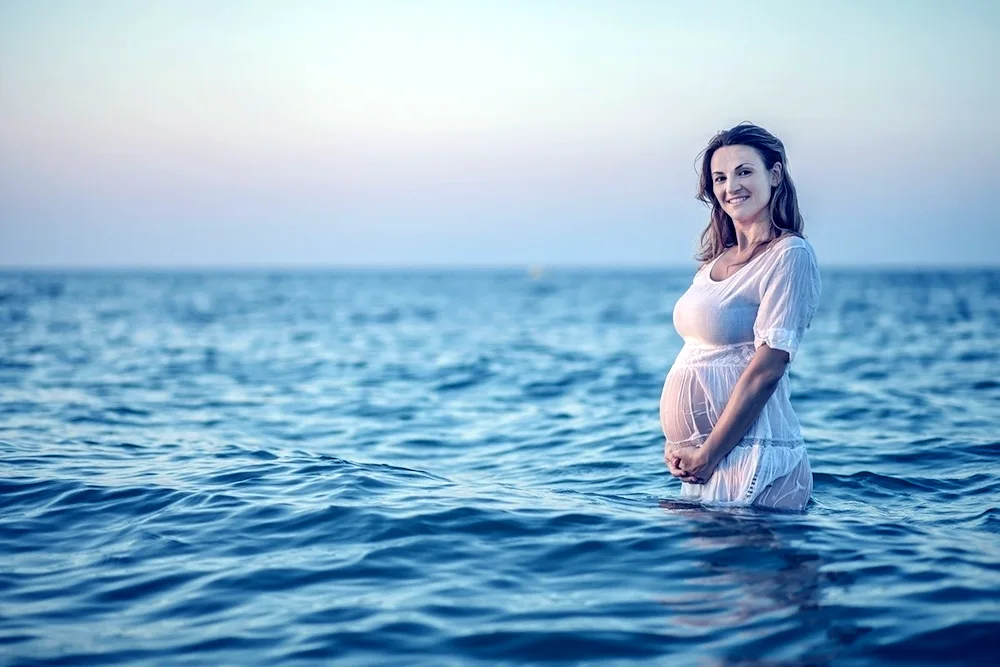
x=745, y=164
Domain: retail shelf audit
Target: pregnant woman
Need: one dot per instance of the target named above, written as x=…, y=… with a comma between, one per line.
x=732, y=437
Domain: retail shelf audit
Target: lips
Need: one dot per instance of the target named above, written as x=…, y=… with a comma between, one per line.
x=735, y=201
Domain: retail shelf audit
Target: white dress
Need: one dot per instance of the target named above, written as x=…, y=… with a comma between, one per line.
x=771, y=299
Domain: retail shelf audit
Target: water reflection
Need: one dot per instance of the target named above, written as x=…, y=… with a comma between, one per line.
x=740, y=565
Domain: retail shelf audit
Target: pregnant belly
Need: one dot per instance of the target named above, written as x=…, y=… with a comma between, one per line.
x=689, y=406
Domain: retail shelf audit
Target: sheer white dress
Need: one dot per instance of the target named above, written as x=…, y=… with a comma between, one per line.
x=771, y=299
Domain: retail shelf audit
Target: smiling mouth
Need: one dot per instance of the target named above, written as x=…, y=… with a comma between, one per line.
x=738, y=200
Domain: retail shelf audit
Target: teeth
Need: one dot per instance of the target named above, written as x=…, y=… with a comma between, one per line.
x=738, y=200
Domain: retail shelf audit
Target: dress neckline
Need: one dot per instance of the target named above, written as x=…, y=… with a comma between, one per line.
x=708, y=274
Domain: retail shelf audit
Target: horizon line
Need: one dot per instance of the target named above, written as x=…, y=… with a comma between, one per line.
x=530, y=267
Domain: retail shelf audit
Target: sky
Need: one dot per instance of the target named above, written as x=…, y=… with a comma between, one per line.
x=466, y=133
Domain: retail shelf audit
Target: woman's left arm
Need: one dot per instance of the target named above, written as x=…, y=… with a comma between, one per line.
x=752, y=391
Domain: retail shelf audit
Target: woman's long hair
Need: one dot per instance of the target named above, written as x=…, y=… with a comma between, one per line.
x=784, y=205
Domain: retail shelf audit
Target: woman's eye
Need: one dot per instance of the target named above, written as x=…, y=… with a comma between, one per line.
x=719, y=179
x=744, y=172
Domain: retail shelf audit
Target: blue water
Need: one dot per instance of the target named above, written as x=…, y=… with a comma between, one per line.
x=455, y=468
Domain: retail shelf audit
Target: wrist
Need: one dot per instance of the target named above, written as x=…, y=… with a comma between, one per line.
x=707, y=454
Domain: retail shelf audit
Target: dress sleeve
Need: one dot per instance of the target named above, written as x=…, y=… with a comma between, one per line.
x=789, y=298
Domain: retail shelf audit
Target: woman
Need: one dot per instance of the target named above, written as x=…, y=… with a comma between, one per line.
x=732, y=437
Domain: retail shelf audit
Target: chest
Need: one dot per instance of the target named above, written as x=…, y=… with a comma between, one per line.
x=727, y=265
x=708, y=314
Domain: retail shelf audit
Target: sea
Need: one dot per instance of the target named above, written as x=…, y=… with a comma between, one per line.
x=465, y=467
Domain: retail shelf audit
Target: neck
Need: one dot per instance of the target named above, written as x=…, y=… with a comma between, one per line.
x=749, y=234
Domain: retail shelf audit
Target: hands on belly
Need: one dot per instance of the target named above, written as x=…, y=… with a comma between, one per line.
x=689, y=463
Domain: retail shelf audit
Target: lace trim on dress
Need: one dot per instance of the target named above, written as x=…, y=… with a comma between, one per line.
x=746, y=441
x=753, y=484
x=767, y=442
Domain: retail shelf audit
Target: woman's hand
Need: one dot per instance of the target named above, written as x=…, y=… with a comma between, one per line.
x=690, y=463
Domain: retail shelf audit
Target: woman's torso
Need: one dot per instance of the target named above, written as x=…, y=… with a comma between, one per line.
x=716, y=320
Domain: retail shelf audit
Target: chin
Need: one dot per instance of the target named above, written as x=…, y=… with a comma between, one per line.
x=744, y=217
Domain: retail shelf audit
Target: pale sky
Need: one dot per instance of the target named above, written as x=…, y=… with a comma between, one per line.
x=369, y=132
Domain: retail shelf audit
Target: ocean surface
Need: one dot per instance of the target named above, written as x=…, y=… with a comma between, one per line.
x=465, y=467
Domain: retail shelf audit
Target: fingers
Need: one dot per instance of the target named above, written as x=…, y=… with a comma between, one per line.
x=674, y=467
x=677, y=465
x=673, y=450
x=676, y=471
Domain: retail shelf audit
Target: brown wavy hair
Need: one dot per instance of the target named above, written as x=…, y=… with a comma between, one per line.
x=784, y=205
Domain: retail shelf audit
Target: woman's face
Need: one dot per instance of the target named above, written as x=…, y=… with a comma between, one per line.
x=742, y=184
